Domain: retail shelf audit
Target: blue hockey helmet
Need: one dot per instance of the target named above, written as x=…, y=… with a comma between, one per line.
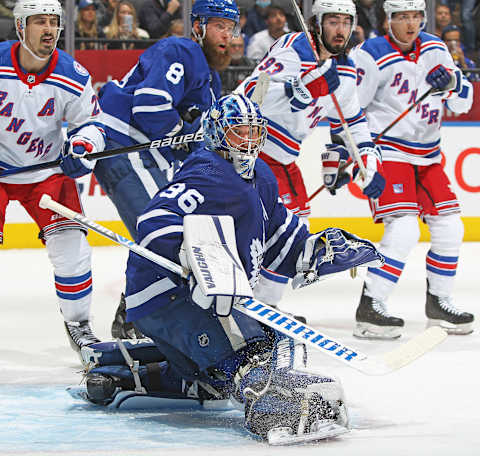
x=222, y=131
x=202, y=10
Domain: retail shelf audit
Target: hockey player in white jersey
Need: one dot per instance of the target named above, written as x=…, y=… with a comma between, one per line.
x=393, y=71
x=207, y=350
x=298, y=97
x=42, y=87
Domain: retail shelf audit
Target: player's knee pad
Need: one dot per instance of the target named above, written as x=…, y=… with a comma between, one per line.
x=446, y=233
x=278, y=391
x=401, y=235
x=69, y=252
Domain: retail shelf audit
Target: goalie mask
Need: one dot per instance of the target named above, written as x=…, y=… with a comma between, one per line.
x=26, y=8
x=322, y=7
x=398, y=6
x=235, y=128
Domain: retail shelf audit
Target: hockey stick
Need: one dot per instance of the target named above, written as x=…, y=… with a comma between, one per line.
x=404, y=113
x=167, y=141
x=346, y=129
x=276, y=319
x=377, y=138
x=261, y=88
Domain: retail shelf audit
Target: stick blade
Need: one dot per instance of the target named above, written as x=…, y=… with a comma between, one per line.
x=261, y=88
x=413, y=349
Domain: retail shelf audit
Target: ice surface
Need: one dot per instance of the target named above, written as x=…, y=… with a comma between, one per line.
x=431, y=407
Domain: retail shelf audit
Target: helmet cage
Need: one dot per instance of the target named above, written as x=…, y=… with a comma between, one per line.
x=322, y=7
x=25, y=8
x=219, y=127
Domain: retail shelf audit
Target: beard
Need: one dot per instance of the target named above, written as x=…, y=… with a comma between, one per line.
x=218, y=59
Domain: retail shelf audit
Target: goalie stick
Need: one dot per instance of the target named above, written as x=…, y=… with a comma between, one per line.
x=276, y=319
x=167, y=141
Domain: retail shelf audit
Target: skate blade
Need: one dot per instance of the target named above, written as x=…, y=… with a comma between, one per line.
x=374, y=332
x=461, y=329
x=325, y=430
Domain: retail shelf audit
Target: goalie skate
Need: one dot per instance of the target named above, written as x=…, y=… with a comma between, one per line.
x=322, y=429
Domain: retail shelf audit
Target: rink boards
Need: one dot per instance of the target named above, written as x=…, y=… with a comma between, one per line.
x=348, y=209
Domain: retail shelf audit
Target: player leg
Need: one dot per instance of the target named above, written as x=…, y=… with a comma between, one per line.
x=130, y=182
x=271, y=286
x=446, y=231
x=70, y=255
x=397, y=209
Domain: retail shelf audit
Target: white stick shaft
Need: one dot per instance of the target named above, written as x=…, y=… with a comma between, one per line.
x=46, y=202
x=278, y=320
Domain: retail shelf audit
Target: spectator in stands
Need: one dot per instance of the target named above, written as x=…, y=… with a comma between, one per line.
x=453, y=39
x=232, y=77
x=156, y=15
x=256, y=17
x=443, y=17
x=366, y=16
x=5, y=11
x=87, y=27
x=176, y=28
x=105, y=9
x=469, y=32
x=124, y=27
x=260, y=43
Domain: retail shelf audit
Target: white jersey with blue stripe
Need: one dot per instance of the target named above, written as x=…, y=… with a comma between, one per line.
x=289, y=57
x=34, y=106
x=389, y=82
x=170, y=78
x=268, y=235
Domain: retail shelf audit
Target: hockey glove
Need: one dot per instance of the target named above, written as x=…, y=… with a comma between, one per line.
x=73, y=164
x=321, y=81
x=222, y=305
x=332, y=159
x=183, y=150
x=312, y=84
x=443, y=79
x=374, y=182
x=330, y=251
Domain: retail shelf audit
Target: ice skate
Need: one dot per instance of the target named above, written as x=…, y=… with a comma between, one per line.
x=373, y=320
x=80, y=334
x=441, y=312
x=120, y=328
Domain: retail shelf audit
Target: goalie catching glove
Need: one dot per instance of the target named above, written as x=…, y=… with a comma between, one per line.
x=330, y=251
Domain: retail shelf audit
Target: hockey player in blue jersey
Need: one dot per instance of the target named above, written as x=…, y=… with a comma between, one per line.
x=163, y=95
x=208, y=356
x=41, y=88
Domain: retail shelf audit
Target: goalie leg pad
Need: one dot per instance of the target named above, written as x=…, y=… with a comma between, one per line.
x=108, y=353
x=282, y=398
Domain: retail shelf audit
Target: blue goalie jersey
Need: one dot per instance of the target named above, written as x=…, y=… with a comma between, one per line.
x=171, y=78
x=267, y=234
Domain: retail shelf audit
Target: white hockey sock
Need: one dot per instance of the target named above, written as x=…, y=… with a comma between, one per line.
x=70, y=255
x=400, y=236
x=441, y=261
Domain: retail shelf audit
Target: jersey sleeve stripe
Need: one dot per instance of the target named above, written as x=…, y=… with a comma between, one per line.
x=161, y=232
x=157, y=213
